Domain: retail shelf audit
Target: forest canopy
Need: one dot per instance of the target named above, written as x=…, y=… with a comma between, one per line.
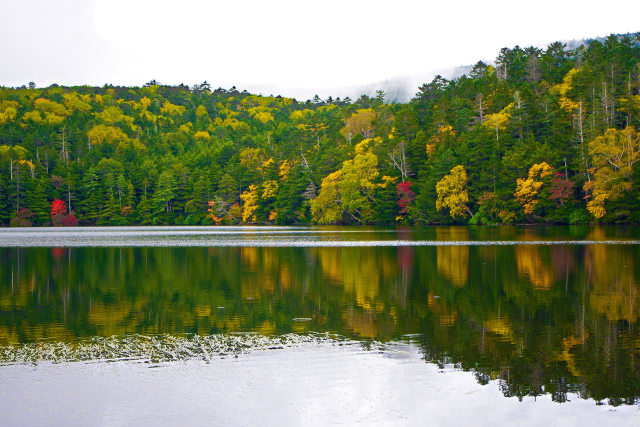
x=539, y=136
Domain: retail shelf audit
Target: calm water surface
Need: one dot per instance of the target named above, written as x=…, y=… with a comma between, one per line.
x=386, y=326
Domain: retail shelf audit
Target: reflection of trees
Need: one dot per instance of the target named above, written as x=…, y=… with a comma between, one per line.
x=509, y=322
x=531, y=265
x=615, y=293
x=453, y=260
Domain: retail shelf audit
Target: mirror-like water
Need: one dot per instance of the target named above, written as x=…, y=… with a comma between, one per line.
x=533, y=312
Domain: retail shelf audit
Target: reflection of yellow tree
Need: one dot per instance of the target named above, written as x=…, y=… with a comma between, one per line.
x=453, y=261
x=359, y=271
x=531, y=265
x=7, y=336
x=259, y=265
x=500, y=326
x=330, y=262
x=363, y=324
x=117, y=318
x=566, y=355
x=361, y=276
x=614, y=292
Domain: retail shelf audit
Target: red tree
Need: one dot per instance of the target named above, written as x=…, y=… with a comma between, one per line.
x=405, y=196
x=561, y=189
x=58, y=210
x=70, y=220
x=58, y=207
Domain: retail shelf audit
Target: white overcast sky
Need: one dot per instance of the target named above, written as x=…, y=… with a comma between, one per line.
x=291, y=47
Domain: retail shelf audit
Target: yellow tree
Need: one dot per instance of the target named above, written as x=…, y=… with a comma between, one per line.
x=357, y=183
x=613, y=156
x=326, y=207
x=498, y=121
x=101, y=134
x=8, y=111
x=528, y=188
x=452, y=193
x=250, y=203
x=359, y=122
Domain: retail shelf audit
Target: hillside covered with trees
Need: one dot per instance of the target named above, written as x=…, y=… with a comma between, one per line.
x=543, y=136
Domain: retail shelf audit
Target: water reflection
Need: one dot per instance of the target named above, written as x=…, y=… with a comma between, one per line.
x=543, y=319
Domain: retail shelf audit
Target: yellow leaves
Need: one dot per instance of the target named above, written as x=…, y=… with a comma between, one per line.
x=251, y=158
x=73, y=102
x=112, y=115
x=101, y=134
x=358, y=175
x=446, y=129
x=541, y=170
x=250, y=203
x=566, y=85
x=145, y=102
x=269, y=189
x=388, y=180
x=359, y=122
x=284, y=169
x=47, y=106
x=28, y=164
x=263, y=117
x=172, y=109
x=392, y=134
x=298, y=115
x=326, y=207
x=46, y=112
x=267, y=164
x=362, y=147
x=148, y=117
x=595, y=206
x=33, y=116
x=231, y=122
x=452, y=193
x=8, y=111
x=630, y=105
x=563, y=88
x=201, y=111
x=261, y=113
x=568, y=105
x=528, y=188
x=498, y=121
x=613, y=155
x=202, y=135
x=256, y=100
x=186, y=128
x=325, y=108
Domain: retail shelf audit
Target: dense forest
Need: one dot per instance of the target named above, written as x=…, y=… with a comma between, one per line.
x=543, y=136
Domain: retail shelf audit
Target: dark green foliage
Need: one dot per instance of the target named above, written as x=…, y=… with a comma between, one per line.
x=158, y=154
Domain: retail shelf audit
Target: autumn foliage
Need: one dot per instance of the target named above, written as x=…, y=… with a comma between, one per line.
x=58, y=207
x=405, y=196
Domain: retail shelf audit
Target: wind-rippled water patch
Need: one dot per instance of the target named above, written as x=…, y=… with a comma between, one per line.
x=273, y=236
x=163, y=348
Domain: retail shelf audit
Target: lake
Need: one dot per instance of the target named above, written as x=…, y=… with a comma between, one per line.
x=296, y=325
